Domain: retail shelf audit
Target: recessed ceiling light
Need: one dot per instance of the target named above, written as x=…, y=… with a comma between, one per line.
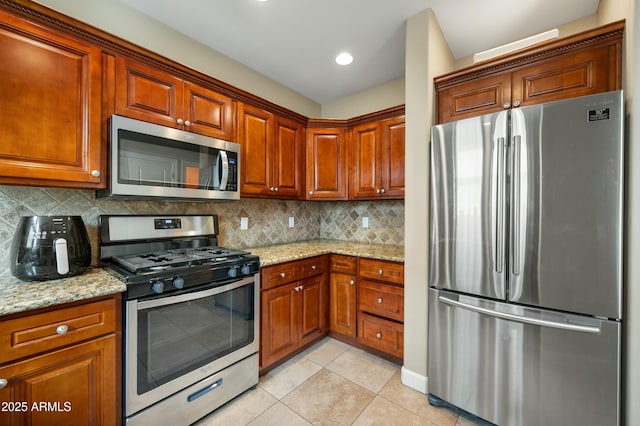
x=344, y=59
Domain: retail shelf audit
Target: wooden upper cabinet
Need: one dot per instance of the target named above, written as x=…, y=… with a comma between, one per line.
x=271, y=151
x=326, y=164
x=583, y=64
x=483, y=95
x=150, y=94
x=256, y=138
x=50, y=88
x=376, y=160
x=288, y=159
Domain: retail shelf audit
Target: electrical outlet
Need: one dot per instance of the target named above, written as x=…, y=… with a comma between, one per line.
x=365, y=222
x=292, y=222
x=244, y=223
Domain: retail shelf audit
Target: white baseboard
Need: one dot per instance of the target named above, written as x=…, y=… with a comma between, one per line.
x=414, y=380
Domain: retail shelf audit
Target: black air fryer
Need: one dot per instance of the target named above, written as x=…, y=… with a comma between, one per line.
x=49, y=247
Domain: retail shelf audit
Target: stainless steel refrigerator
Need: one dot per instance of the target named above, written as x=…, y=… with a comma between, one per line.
x=526, y=268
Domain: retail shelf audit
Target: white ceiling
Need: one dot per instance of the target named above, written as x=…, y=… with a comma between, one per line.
x=294, y=42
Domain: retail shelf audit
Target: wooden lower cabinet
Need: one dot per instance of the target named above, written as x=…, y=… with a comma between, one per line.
x=381, y=306
x=61, y=366
x=343, y=305
x=73, y=386
x=295, y=313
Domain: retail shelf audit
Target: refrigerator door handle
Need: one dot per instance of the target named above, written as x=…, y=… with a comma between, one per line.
x=519, y=318
x=517, y=146
x=500, y=208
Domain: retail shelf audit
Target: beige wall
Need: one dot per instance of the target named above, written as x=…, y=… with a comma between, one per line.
x=428, y=55
x=564, y=30
x=120, y=20
x=377, y=98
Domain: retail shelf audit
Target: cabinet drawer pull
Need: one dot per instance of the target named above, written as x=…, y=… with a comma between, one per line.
x=352, y=282
x=379, y=271
x=379, y=335
x=3, y=383
x=313, y=267
x=62, y=329
x=379, y=299
x=283, y=274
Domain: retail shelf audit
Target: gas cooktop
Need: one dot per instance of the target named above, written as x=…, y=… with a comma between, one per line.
x=158, y=261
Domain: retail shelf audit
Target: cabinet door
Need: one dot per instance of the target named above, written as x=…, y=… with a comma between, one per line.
x=392, y=164
x=288, y=158
x=255, y=135
x=343, y=304
x=482, y=95
x=208, y=113
x=50, y=91
x=73, y=386
x=326, y=164
x=148, y=94
x=365, y=157
x=570, y=75
x=313, y=319
x=280, y=323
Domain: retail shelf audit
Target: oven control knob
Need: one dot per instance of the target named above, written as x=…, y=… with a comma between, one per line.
x=246, y=269
x=233, y=272
x=157, y=287
x=178, y=282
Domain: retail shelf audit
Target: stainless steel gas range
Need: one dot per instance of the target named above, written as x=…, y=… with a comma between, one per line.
x=190, y=316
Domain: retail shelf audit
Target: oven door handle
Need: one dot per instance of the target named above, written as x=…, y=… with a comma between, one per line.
x=170, y=300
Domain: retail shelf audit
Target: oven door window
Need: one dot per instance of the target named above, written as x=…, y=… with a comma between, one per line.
x=176, y=338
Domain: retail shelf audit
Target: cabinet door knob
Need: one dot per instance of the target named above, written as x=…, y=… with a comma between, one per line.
x=62, y=329
x=506, y=105
x=379, y=271
x=272, y=189
x=378, y=191
x=3, y=383
x=283, y=274
x=352, y=282
x=180, y=121
x=382, y=191
x=379, y=299
x=95, y=173
x=187, y=123
x=516, y=103
x=379, y=335
x=275, y=189
x=313, y=267
x=310, y=192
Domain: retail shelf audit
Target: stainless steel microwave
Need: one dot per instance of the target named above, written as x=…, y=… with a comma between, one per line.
x=148, y=161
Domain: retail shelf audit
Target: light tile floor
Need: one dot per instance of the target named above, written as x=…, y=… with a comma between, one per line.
x=334, y=384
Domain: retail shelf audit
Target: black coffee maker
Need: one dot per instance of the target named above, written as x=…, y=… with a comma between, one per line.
x=49, y=247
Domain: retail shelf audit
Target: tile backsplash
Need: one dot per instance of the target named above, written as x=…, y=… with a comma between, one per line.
x=268, y=219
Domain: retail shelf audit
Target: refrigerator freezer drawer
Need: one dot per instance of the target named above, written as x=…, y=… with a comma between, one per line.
x=513, y=366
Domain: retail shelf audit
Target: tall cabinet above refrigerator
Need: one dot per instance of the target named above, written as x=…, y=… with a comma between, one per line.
x=525, y=272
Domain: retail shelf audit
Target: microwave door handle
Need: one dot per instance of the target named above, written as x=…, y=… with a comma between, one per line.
x=224, y=161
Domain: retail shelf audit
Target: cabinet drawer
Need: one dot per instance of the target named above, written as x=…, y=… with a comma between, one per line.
x=381, y=334
x=29, y=335
x=313, y=266
x=273, y=276
x=392, y=272
x=381, y=299
x=343, y=264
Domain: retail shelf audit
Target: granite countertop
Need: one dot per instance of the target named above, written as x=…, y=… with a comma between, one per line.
x=270, y=255
x=17, y=296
